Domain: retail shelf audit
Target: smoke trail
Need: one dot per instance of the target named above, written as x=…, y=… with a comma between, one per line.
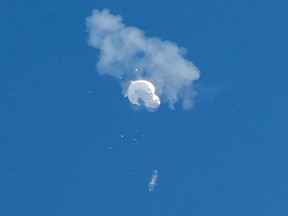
x=124, y=48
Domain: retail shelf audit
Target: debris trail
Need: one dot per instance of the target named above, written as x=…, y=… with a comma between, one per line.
x=153, y=181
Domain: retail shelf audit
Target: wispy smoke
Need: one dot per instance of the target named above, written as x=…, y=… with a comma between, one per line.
x=124, y=48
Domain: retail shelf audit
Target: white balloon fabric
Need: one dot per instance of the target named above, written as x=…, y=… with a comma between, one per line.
x=145, y=91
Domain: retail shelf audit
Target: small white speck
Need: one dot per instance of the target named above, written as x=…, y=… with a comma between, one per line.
x=89, y=92
x=110, y=147
x=121, y=135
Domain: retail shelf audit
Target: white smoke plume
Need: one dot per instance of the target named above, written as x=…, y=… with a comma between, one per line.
x=127, y=54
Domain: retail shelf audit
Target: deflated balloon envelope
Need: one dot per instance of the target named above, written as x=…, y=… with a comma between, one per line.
x=145, y=91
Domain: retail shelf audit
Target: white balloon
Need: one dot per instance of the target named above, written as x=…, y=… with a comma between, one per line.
x=144, y=90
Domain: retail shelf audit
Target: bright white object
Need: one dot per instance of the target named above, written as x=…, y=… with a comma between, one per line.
x=144, y=90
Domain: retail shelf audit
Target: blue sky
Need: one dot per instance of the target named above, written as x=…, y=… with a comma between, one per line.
x=61, y=150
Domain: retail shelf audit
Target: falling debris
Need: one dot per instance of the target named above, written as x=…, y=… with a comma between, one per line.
x=153, y=180
x=126, y=53
x=135, y=141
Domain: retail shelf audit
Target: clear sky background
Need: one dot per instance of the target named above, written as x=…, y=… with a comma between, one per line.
x=61, y=150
